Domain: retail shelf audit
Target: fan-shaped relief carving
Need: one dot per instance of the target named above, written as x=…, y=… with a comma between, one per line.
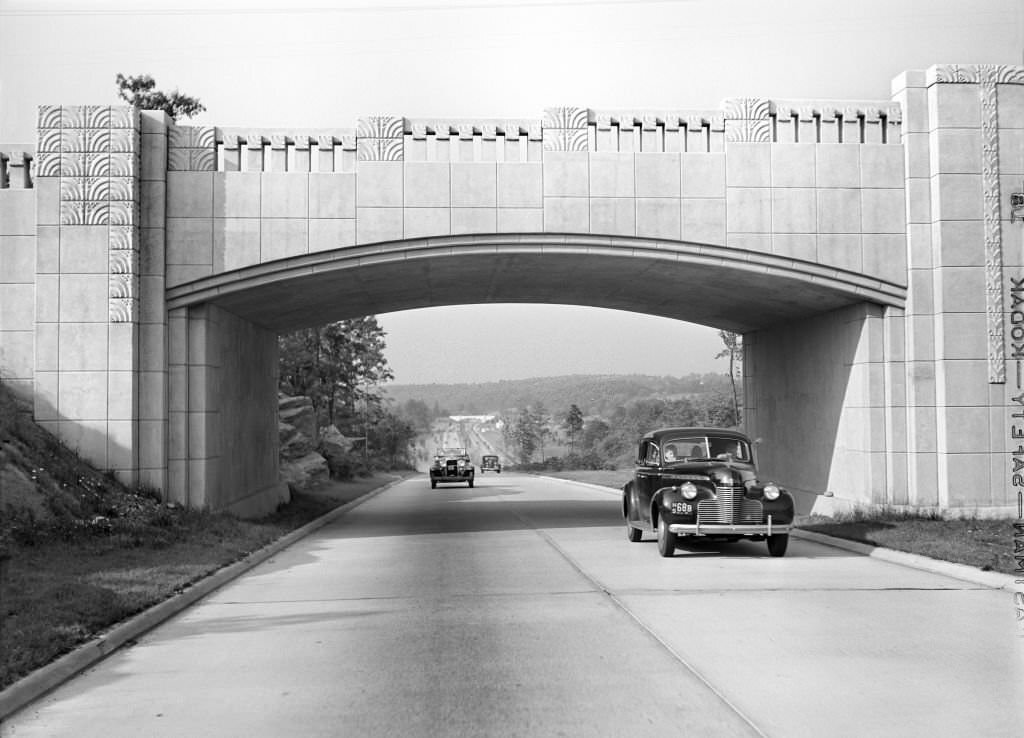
x=254, y=140
x=73, y=116
x=566, y=139
x=73, y=140
x=97, y=213
x=466, y=131
x=73, y=165
x=72, y=212
x=122, y=238
x=123, y=116
x=47, y=164
x=116, y=165
x=123, y=310
x=73, y=188
x=565, y=117
x=747, y=108
x=191, y=137
x=124, y=262
x=121, y=141
x=977, y=73
x=278, y=142
x=748, y=131
x=347, y=142
x=179, y=160
x=96, y=116
x=120, y=212
x=325, y=143
x=392, y=149
x=49, y=116
x=201, y=160
x=535, y=132
x=302, y=143
x=419, y=131
x=380, y=126
x=122, y=285
x=489, y=131
x=120, y=188
x=50, y=140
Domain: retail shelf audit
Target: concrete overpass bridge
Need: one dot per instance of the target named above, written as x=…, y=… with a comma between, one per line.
x=867, y=250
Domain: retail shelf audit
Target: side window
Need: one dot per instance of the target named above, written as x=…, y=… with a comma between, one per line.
x=652, y=456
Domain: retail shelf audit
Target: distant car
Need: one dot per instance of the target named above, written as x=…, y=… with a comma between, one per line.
x=451, y=465
x=702, y=482
x=490, y=463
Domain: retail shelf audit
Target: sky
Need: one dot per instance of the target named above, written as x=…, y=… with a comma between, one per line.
x=325, y=63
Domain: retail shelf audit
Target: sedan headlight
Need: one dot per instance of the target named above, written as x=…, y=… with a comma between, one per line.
x=688, y=490
x=771, y=492
x=462, y=463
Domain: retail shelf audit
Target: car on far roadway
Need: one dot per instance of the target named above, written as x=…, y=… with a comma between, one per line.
x=490, y=462
x=451, y=465
x=702, y=483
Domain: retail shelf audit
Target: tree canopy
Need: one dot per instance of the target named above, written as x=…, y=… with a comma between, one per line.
x=140, y=92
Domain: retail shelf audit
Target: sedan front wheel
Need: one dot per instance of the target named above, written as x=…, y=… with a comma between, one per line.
x=666, y=539
x=777, y=544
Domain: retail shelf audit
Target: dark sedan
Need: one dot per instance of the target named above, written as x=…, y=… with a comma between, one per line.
x=702, y=482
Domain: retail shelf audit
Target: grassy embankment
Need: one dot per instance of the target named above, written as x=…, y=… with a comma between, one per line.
x=983, y=543
x=80, y=553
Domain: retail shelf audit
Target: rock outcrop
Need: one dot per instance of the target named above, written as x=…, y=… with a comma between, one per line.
x=301, y=466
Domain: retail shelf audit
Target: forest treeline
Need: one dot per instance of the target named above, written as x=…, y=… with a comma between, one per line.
x=596, y=394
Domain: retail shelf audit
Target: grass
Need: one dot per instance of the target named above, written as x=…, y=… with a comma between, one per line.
x=65, y=589
x=984, y=543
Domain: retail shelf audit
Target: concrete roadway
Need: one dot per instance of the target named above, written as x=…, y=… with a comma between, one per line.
x=518, y=608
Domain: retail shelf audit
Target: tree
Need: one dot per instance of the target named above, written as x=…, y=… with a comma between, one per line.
x=140, y=92
x=338, y=366
x=573, y=424
x=734, y=350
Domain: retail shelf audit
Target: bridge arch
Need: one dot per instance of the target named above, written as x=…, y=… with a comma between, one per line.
x=697, y=283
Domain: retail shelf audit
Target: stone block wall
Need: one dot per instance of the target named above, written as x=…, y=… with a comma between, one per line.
x=17, y=270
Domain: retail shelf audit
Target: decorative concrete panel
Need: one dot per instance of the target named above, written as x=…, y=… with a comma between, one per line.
x=747, y=119
x=565, y=129
x=380, y=138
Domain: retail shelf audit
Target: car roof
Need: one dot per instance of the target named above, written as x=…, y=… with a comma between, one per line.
x=657, y=435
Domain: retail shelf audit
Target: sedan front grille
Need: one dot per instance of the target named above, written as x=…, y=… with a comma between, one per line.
x=730, y=507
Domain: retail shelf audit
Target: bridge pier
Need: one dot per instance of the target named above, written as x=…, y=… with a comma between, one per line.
x=222, y=400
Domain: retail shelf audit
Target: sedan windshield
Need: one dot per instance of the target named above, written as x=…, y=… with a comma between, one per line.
x=704, y=448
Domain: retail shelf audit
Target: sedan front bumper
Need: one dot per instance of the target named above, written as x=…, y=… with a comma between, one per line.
x=724, y=529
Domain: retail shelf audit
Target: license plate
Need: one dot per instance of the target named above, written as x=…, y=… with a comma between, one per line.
x=681, y=508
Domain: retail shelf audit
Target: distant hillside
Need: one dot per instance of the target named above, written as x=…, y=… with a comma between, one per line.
x=593, y=394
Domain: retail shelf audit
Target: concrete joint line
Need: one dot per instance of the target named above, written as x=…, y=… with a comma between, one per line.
x=622, y=607
x=37, y=684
